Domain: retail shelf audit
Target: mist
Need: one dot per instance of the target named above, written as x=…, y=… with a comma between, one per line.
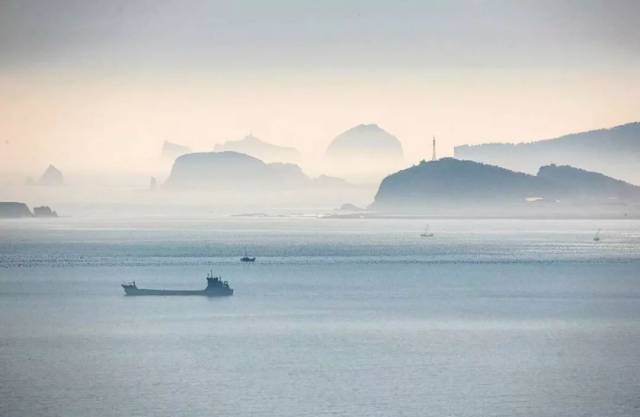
x=96, y=90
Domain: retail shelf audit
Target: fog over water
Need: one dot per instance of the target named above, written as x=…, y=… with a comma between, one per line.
x=336, y=317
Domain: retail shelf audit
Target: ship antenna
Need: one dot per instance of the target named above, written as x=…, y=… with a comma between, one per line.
x=433, y=156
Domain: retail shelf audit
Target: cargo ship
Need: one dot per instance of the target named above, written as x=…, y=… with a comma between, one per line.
x=216, y=287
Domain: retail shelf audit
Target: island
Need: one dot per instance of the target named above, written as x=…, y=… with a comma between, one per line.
x=267, y=152
x=229, y=170
x=364, y=153
x=52, y=176
x=44, y=211
x=452, y=187
x=10, y=209
x=173, y=150
x=614, y=152
x=234, y=179
x=13, y=210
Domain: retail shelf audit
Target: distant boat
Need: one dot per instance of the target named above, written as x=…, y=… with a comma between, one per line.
x=426, y=232
x=246, y=258
x=596, y=238
x=216, y=287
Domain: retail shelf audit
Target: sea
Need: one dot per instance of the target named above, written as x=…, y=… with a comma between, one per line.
x=336, y=317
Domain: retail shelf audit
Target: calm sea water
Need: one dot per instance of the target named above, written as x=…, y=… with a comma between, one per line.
x=336, y=318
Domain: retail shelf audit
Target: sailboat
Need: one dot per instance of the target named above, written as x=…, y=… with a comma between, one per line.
x=247, y=258
x=596, y=238
x=426, y=232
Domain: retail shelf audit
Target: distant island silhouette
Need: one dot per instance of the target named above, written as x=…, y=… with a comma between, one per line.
x=11, y=209
x=614, y=151
x=52, y=176
x=44, y=211
x=267, y=152
x=173, y=150
x=450, y=185
x=350, y=208
x=238, y=173
x=364, y=152
x=229, y=170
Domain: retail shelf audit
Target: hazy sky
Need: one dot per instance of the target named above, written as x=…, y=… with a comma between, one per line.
x=91, y=85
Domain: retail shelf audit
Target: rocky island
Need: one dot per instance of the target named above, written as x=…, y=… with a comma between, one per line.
x=229, y=170
x=267, y=152
x=173, y=150
x=52, y=176
x=12, y=210
x=44, y=211
x=239, y=179
x=364, y=153
x=453, y=187
x=614, y=151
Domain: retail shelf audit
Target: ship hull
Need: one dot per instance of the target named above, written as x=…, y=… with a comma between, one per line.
x=149, y=292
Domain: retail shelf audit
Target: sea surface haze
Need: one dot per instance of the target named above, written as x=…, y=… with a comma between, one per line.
x=337, y=317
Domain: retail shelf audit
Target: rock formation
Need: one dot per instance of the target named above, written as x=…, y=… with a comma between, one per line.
x=450, y=185
x=51, y=177
x=229, y=170
x=44, y=211
x=267, y=152
x=14, y=210
x=614, y=152
x=364, y=153
x=173, y=150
